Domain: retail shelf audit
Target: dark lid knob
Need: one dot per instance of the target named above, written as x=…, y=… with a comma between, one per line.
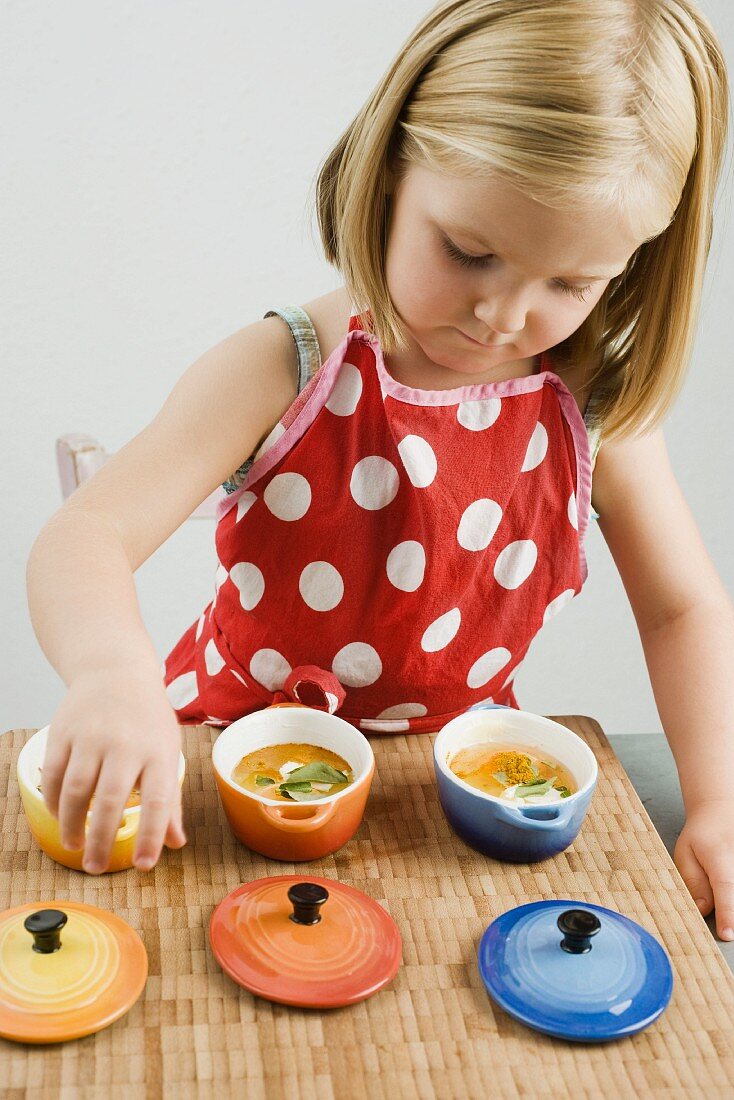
x=306, y=898
x=578, y=926
x=45, y=927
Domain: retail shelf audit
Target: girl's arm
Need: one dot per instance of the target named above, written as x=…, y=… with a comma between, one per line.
x=115, y=724
x=686, y=624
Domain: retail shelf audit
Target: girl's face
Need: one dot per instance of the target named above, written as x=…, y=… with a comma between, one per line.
x=483, y=276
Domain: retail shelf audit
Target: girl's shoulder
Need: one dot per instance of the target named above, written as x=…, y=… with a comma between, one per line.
x=330, y=318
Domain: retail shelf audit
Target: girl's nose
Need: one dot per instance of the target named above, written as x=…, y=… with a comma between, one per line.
x=504, y=324
x=502, y=315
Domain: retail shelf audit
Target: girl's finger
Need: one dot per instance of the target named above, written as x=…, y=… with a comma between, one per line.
x=694, y=877
x=55, y=762
x=158, y=796
x=721, y=873
x=80, y=779
x=175, y=835
x=113, y=790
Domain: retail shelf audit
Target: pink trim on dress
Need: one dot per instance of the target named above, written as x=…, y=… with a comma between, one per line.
x=583, y=461
x=324, y=381
x=526, y=383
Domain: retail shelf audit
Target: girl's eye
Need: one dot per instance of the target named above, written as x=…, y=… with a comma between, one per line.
x=577, y=291
x=466, y=260
x=463, y=257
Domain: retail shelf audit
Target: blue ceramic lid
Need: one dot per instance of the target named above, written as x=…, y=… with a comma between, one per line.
x=574, y=970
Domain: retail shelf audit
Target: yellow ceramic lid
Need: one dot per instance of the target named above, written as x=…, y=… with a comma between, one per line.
x=66, y=969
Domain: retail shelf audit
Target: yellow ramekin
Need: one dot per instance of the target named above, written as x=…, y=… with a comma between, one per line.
x=45, y=827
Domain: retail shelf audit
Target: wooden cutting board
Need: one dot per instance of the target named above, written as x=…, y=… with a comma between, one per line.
x=433, y=1032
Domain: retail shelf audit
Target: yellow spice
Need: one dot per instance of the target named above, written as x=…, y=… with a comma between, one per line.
x=515, y=765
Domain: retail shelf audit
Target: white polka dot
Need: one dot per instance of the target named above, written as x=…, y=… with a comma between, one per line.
x=374, y=483
x=237, y=676
x=515, y=563
x=486, y=667
x=357, y=665
x=250, y=583
x=573, y=514
x=200, y=626
x=288, y=496
x=406, y=565
x=215, y=721
x=220, y=577
x=345, y=396
x=183, y=690
x=270, y=669
x=555, y=605
x=478, y=415
x=419, y=460
x=321, y=586
x=441, y=631
x=537, y=448
x=478, y=524
x=213, y=658
x=402, y=710
x=270, y=440
x=244, y=504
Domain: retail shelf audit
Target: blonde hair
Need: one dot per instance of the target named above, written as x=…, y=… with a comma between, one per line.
x=616, y=104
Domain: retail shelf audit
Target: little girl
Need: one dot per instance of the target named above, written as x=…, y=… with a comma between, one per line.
x=521, y=213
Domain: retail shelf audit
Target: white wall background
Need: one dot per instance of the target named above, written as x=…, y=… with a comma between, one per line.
x=157, y=159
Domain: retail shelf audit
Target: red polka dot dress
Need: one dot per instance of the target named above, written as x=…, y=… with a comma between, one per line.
x=392, y=552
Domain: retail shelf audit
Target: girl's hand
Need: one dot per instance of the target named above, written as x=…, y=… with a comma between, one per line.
x=704, y=855
x=113, y=731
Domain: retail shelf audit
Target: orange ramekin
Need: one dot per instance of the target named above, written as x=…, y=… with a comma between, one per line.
x=296, y=831
x=45, y=827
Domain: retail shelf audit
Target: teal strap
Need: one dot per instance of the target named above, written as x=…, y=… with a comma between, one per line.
x=309, y=361
x=305, y=339
x=593, y=429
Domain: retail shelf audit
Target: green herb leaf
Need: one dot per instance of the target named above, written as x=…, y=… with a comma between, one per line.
x=525, y=789
x=302, y=796
x=317, y=772
x=289, y=786
x=534, y=770
x=263, y=780
x=501, y=777
x=565, y=794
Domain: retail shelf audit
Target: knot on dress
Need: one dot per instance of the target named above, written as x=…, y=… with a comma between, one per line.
x=312, y=687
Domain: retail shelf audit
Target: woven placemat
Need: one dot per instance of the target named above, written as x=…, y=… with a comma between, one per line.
x=433, y=1032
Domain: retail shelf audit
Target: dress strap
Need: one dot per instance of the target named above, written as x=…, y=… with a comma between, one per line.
x=593, y=429
x=309, y=361
x=305, y=339
x=593, y=426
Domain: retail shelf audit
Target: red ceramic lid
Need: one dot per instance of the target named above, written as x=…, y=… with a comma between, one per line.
x=66, y=969
x=311, y=942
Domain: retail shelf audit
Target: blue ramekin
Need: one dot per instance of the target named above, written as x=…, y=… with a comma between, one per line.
x=518, y=834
